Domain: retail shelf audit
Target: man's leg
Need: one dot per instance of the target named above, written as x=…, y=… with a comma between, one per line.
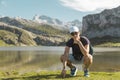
x=87, y=62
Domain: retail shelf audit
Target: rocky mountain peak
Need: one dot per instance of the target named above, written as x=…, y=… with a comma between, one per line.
x=106, y=23
x=56, y=22
x=46, y=20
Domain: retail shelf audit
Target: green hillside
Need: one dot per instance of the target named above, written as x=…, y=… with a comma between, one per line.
x=29, y=33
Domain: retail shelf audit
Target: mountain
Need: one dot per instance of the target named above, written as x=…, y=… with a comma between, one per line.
x=22, y=32
x=106, y=23
x=56, y=23
x=42, y=30
x=74, y=23
x=46, y=19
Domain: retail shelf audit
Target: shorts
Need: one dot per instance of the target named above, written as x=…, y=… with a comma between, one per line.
x=73, y=60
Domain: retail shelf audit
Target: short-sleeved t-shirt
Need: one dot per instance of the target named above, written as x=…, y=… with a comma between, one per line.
x=75, y=47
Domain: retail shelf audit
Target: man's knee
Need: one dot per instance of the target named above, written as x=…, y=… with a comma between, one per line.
x=88, y=60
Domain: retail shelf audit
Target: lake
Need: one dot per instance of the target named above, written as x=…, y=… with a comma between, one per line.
x=47, y=58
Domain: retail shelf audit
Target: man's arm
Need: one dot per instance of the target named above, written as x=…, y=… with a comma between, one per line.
x=64, y=60
x=66, y=52
x=84, y=49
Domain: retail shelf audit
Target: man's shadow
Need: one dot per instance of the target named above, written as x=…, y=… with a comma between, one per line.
x=39, y=77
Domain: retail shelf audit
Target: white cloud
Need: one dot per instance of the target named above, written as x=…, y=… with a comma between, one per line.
x=90, y=5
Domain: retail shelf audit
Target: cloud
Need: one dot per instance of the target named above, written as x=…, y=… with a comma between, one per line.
x=90, y=5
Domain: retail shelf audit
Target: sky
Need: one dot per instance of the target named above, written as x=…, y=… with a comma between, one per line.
x=64, y=10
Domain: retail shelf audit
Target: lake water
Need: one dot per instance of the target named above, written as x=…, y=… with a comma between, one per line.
x=47, y=58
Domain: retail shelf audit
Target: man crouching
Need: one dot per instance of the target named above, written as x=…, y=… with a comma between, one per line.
x=80, y=51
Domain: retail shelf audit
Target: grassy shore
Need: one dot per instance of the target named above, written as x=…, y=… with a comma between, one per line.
x=55, y=75
x=106, y=41
x=108, y=44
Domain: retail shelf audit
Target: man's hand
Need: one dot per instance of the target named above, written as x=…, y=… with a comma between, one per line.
x=63, y=73
x=76, y=40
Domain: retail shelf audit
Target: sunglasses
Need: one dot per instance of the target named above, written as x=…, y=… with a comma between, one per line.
x=74, y=33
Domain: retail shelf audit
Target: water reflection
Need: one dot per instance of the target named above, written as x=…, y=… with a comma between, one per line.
x=27, y=59
x=49, y=60
x=106, y=61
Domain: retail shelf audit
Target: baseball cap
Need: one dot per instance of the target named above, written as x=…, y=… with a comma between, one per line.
x=74, y=29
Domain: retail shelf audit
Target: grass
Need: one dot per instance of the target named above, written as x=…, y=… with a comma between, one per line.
x=55, y=75
x=109, y=44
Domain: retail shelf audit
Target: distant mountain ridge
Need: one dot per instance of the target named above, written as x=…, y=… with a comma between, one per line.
x=56, y=22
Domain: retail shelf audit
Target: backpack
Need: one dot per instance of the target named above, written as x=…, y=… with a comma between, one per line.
x=91, y=49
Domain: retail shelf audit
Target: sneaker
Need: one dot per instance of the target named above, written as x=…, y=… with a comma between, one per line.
x=86, y=73
x=73, y=71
